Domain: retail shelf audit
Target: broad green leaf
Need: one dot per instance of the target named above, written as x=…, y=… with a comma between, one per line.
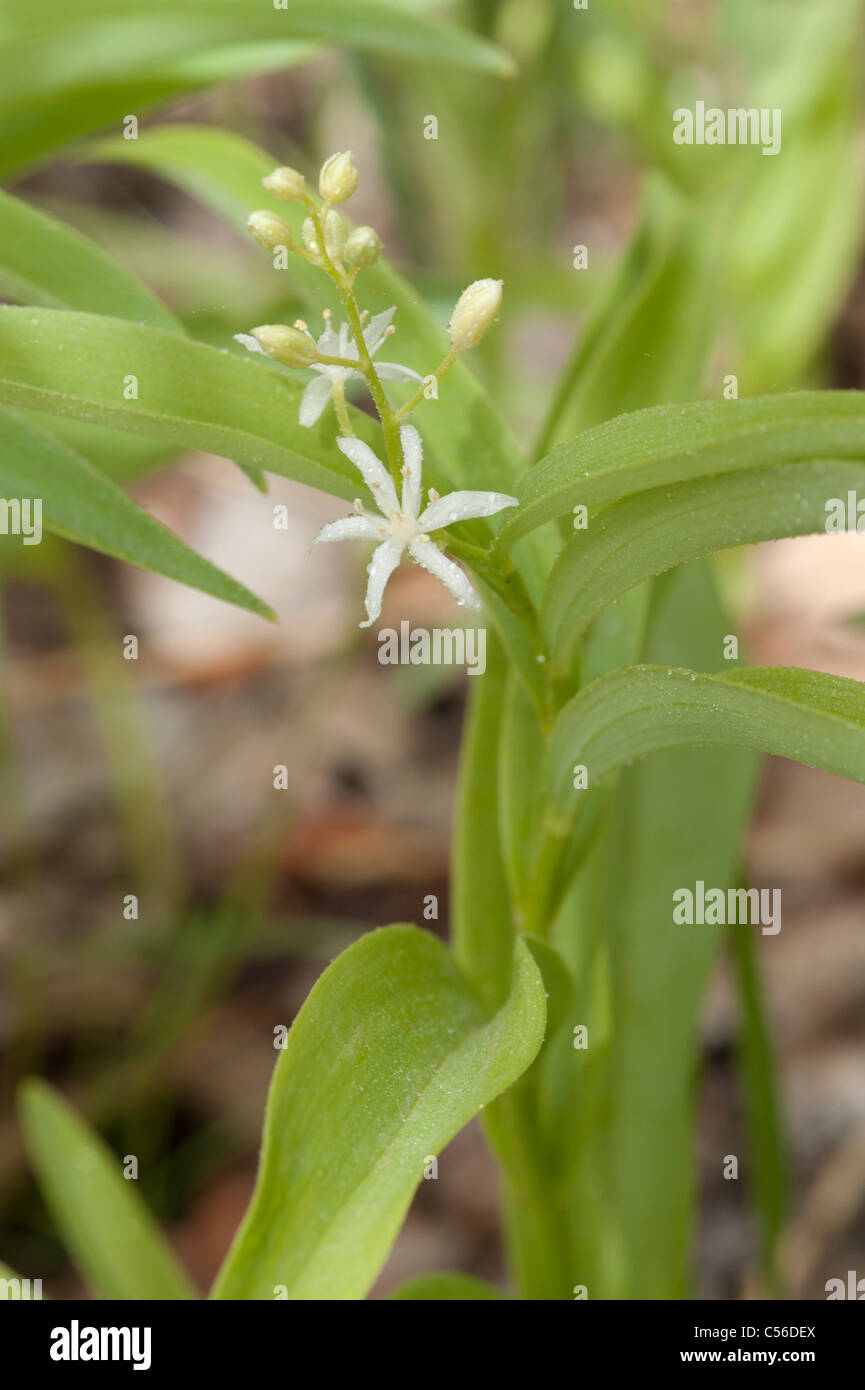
x=42, y=262
x=446, y=1288
x=376, y=25
x=82, y=505
x=652, y=531
x=679, y=443
x=108, y=1230
x=189, y=395
x=391, y=1054
x=810, y=717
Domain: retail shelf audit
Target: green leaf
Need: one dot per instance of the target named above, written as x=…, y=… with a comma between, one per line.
x=769, y=1169
x=66, y=70
x=677, y=443
x=189, y=395
x=810, y=717
x=374, y=25
x=445, y=1288
x=676, y=817
x=43, y=262
x=652, y=531
x=117, y=74
x=110, y=1233
x=83, y=505
x=391, y=1054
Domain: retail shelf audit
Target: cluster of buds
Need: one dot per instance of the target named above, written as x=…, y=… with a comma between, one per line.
x=327, y=241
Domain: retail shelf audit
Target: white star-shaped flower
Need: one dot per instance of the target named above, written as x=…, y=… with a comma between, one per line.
x=403, y=526
x=339, y=343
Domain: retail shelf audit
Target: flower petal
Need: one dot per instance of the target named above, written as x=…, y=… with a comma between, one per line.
x=314, y=400
x=412, y=451
x=392, y=371
x=352, y=528
x=374, y=333
x=251, y=344
x=463, y=506
x=380, y=568
x=328, y=343
x=375, y=475
x=427, y=554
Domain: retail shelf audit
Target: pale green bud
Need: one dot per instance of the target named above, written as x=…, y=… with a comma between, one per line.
x=334, y=234
x=285, y=184
x=270, y=230
x=288, y=345
x=338, y=178
x=475, y=310
x=310, y=237
x=362, y=248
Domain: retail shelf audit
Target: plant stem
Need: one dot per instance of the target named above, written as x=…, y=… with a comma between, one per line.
x=344, y=285
x=420, y=394
x=341, y=412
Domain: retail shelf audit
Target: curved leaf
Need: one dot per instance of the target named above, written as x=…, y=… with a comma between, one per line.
x=676, y=443
x=188, y=394
x=110, y=1233
x=374, y=25
x=391, y=1054
x=804, y=715
x=44, y=262
x=83, y=505
x=67, y=69
x=652, y=531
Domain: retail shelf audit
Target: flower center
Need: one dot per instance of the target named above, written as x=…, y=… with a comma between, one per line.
x=403, y=528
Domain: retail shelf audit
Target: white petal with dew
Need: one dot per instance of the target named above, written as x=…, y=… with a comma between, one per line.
x=412, y=451
x=314, y=400
x=463, y=506
x=380, y=568
x=374, y=333
x=444, y=569
x=392, y=371
x=375, y=475
x=352, y=528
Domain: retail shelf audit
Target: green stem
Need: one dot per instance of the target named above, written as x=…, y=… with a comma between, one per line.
x=344, y=285
x=341, y=412
x=420, y=394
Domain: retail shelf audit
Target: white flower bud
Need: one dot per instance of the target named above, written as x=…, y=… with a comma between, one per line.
x=338, y=178
x=334, y=234
x=270, y=230
x=288, y=345
x=285, y=184
x=362, y=249
x=475, y=310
